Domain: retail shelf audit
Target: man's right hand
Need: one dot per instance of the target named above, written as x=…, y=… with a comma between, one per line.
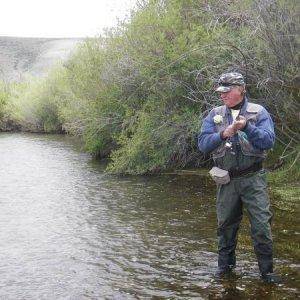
x=229, y=132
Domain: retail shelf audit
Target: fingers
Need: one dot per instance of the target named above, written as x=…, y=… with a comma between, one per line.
x=240, y=118
x=233, y=132
x=239, y=124
x=229, y=131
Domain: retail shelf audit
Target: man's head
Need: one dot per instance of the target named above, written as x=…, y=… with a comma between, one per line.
x=232, y=88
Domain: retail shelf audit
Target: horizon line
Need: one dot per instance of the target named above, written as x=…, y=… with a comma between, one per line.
x=40, y=37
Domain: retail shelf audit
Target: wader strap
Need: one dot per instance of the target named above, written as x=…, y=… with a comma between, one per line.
x=254, y=168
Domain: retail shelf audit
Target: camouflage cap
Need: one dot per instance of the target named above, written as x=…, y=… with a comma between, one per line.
x=228, y=80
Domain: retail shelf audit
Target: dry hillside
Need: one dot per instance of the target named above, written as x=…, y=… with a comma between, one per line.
x=34, y=56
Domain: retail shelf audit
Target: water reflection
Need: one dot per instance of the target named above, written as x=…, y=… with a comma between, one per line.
x=70, y=231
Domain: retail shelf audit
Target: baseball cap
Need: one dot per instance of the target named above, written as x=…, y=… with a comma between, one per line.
x=228, y=80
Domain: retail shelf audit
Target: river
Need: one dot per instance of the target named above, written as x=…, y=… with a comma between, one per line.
x=68, y=230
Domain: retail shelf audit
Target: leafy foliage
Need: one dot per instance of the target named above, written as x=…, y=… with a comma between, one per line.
x=138, y=94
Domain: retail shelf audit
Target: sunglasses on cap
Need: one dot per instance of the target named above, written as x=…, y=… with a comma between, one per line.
x=227, y=84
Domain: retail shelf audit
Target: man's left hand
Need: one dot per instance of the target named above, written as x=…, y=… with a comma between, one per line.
x=240, y=122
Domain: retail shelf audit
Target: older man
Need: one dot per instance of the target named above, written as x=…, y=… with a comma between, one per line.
x=238, y=135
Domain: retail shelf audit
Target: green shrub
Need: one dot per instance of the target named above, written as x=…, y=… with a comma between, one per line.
x=4, y=95
x=34, y=104
x=138, y=94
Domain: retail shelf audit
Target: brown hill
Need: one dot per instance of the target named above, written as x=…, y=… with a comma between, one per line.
x=34, y=56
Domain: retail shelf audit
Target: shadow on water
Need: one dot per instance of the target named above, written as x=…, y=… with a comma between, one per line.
x=71, y=231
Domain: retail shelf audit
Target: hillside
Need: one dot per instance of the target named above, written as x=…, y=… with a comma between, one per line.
x=34, y=56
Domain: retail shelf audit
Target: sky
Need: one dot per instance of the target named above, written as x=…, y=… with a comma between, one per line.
x=61, y=18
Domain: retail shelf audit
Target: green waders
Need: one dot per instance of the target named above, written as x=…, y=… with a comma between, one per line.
x=248, y=191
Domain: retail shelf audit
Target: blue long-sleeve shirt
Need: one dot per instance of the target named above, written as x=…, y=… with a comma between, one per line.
x=261, y=134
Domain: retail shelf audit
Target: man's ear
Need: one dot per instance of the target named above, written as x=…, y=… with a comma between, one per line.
x=243, y=90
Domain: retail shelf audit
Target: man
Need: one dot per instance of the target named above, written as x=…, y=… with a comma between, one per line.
x=238, y=135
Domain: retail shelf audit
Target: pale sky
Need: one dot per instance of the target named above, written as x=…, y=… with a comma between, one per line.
x=60, y=18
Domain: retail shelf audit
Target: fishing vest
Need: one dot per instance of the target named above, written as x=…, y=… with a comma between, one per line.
x=251, y=114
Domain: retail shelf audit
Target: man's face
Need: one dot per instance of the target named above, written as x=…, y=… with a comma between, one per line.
x=233, y=97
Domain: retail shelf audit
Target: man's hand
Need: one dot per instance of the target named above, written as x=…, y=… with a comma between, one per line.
x=239, y=123
x=229, y=132
x=232, y=129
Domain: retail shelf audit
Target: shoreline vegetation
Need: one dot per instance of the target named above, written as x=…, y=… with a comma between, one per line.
x=137, y=94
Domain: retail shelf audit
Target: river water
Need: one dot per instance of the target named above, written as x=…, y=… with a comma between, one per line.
x=70, y=231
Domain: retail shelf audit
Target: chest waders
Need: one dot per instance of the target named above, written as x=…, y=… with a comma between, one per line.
x=247, y=191
x=250, y=192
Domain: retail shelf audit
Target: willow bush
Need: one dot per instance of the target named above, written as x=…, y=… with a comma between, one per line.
x=4, y=95
x=138, y=93
x=35, y=103
x=6, y=121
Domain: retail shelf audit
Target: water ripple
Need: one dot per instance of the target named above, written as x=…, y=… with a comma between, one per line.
x=69, y=231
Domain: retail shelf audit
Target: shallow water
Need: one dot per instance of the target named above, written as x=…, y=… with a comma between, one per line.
x=70, y=231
